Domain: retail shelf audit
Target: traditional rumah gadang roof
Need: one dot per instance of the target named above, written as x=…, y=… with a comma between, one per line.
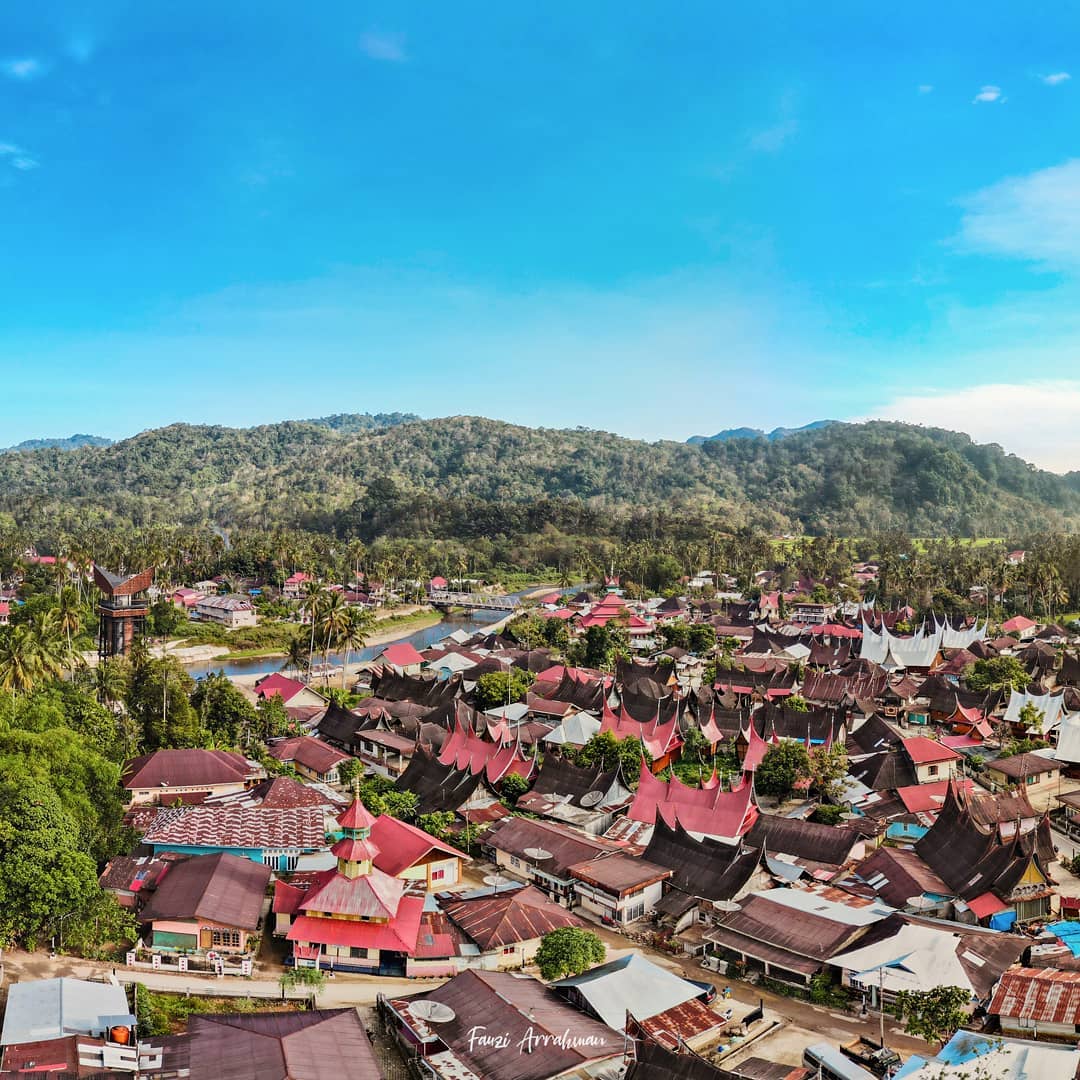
x=973, y=858
x=466, y=750
x=437, y=786
x=658, y=737
x=707, y=810
x=120, y=585
x=703, y=868
x=559, y=781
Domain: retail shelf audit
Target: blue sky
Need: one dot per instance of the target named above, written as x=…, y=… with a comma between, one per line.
x=659, y=220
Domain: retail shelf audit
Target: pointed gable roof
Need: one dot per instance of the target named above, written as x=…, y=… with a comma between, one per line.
x=708, y=811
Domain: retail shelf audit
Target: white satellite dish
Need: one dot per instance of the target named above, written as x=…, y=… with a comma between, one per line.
x=591, y=799
x=538, y=853
x=726, y=905
x=497, y=880
x=434, y=1012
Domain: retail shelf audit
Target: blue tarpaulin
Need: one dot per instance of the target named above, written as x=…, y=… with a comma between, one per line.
x=1069, y=932
x=1003, y=920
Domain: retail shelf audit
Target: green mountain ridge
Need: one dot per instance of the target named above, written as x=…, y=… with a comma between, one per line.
x=72, y=442
x=468, y=476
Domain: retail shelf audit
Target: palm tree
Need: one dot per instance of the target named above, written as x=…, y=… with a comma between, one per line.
x=297, y=656
x=111, y=680
x=20, y=660
x=354, y=635
x=313, y=600
x=69, y=616
x=333, y=618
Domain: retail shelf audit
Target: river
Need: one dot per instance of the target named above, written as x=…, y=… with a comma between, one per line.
x=419, y=639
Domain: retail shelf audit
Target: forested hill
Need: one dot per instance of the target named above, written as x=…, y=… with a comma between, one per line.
x=467, y=476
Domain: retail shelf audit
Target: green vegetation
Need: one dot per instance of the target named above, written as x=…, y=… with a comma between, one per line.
x=570, y=950
x=998, y=673
x=498, y=688
x=471, y=478
x=933, y=1015
x=781, y=769
x=605, y=751
x=160, y=1013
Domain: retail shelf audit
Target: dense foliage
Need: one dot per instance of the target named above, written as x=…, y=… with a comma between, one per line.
x=468, y=477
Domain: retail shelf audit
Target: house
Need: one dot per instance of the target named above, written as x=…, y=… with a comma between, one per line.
x=619, y=888
x=227, y=611
x=5, y=612
x=402, y=657
x=129, y=878
x=506, y=924
x=293, y=693
x=1038, y=1002
x=295, y=585
x=1025, y=770
x=1020, y=626
x=186, y=599
x=902, y=953
x=995, y=866
x=585, y=798
x=277, y=838
x=526, y=1026
x=970, y=1053
x=67, y=1027
x=323, y=1044
x=791, y=934
x=312, y=758
x=707, y=810
x=542, y=853
x=932, y=761
x=164, y=777
x=633, y=987
x=209, y=902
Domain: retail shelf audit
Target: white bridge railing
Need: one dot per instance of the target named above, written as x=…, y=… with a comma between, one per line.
x=474, y=600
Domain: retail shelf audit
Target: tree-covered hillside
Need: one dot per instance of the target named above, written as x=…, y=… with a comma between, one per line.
x=468, y=476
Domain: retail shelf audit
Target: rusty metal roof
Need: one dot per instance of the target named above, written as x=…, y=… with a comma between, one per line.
x=1040, y=994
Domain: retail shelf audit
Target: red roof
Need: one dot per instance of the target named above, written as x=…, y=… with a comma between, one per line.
x=464, y=749
x=982, y=907
x=402, y=845
x=705, y=810
x=1018, y=623
x=398, y=935
x=277, y=683
x=439, y=582
x=401, y=655
x=373, y=895
x=658, y=739
x=924, y=751
x=357, y=816
x=308, y=751
x=928, y=798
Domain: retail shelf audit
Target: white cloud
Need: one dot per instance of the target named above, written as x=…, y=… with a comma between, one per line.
x=26, y=67
x=926, y=88
x=1035, y=216
x=773, y=138
x=17, y=157
x=1036, y=421
x=987, y=95
x=378, y=46
x=1057, y=78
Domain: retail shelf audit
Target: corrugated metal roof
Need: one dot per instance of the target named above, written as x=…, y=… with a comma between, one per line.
x=1039, y=994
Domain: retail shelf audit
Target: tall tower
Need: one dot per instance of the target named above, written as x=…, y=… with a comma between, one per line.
x=122, y=609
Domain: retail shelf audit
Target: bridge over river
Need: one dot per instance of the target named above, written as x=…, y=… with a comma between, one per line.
x=443, y=598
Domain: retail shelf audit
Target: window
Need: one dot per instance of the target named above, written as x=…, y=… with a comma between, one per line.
x=438, y=875
x=1032, y=780
x=357, y=953
x=509, y=950
x=514, y=860
x=225, y=939
x=932, y=770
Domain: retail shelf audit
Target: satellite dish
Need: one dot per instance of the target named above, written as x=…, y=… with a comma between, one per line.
x=434, y=1012
x=538, y=853
x=591, y=799
x=726, y=905
x=497, y=880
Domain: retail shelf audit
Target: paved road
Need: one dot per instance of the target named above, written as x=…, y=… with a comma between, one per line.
x=361, y=990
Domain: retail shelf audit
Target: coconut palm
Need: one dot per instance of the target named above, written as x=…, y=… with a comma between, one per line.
x=333, y=618
x=297, y=656
x=21, y=665
x=111, y=678
x=353, y=635
x=69, y=617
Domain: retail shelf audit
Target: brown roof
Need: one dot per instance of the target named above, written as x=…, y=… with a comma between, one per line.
x=1039, y=994
x=514, y=834
x=285, y=793
x=225, y=889
x=517, y=1007
x=117, y=585
x=506, y=918
x=233, y=827
x=185, y=768
x=619, y=873
x=898, y=875
x=690, y=1020
x=1020, y=765
x=325, y=1044
x=308, y=751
